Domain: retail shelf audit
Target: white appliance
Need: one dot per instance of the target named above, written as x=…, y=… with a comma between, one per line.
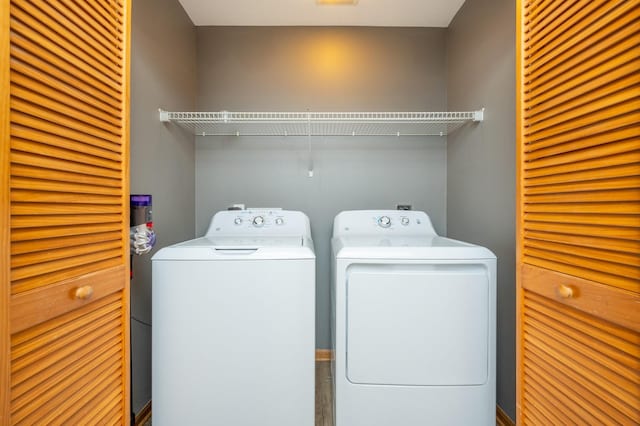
x=413, y=323
x=233, y=338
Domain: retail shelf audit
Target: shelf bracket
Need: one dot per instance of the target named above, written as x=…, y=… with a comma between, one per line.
x=164, y=115
x=478, y=115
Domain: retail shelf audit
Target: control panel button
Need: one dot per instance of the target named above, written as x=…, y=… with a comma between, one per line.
x=384, y=221
x=258, y=221
x=279, y=221
x=404, y=221
x=238, y=221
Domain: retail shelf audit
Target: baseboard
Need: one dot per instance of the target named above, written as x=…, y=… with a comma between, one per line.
x=324, y=354
x=143, y=415
x=502, y=419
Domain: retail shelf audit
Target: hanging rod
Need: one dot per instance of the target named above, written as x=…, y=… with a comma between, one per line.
x=226, y=123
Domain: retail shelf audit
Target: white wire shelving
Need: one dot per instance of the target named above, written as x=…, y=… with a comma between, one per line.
x=225, y=123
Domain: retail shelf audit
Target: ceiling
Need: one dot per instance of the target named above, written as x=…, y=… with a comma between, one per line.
x=377, y=13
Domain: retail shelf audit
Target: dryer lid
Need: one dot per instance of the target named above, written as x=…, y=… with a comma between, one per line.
x=400, y=241
x=409, y=248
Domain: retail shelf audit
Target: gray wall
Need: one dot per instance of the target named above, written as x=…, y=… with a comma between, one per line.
x=321, y=69
x=481, y=159
x=163, y=74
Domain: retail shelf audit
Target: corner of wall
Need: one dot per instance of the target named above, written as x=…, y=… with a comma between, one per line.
x=162, y=156
x=480, y=52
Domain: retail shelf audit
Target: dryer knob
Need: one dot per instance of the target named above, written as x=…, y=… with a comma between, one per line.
x=384, y=221
x=258, y=221
x=279, y=221
x=238, y=221
x=404, y=221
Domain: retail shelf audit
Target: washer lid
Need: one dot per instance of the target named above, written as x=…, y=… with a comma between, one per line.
x=235, y=242
x=239, y=248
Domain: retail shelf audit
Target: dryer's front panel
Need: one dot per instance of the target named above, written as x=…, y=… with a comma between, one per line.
x=417, y=325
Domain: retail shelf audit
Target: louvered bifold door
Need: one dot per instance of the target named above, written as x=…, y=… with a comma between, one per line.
x=69, y=212
x=579, y=212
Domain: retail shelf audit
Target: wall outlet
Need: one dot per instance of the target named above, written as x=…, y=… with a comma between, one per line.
x=403, y=206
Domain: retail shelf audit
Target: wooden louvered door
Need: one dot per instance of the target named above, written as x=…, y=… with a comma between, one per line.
x=65, y=326
x=579, y=212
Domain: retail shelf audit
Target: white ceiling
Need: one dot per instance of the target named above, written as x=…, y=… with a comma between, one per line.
x=377, y=13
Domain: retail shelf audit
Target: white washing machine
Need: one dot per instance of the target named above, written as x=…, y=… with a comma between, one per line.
x=413, y=324
x=233, y=338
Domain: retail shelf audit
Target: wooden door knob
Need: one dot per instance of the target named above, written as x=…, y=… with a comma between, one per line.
x=565, y=291
x=84, y=292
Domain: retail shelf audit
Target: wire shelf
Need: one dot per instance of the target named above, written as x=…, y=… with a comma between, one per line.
x=225, y=123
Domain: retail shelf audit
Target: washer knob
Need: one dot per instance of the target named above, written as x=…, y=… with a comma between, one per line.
x=404, y=221
x=258, y=221
x=238, y=221
x=279, y=221
x=384, y=221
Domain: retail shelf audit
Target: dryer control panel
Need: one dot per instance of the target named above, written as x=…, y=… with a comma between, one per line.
x=383, y=222
x=259, y=222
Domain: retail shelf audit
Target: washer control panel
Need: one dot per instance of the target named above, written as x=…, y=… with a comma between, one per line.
x=258, y=222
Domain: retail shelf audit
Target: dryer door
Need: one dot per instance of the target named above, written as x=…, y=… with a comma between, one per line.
x=420, y=325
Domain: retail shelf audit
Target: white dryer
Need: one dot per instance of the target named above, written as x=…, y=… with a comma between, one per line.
x=413, y=323
x=233, y=338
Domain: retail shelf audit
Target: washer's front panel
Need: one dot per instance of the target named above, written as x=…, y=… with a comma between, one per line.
x=233, y=342
x=417, y=325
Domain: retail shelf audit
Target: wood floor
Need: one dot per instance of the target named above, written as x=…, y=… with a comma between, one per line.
x=324, y=394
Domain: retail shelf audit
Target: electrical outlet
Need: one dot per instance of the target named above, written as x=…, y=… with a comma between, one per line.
x=403, y=206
